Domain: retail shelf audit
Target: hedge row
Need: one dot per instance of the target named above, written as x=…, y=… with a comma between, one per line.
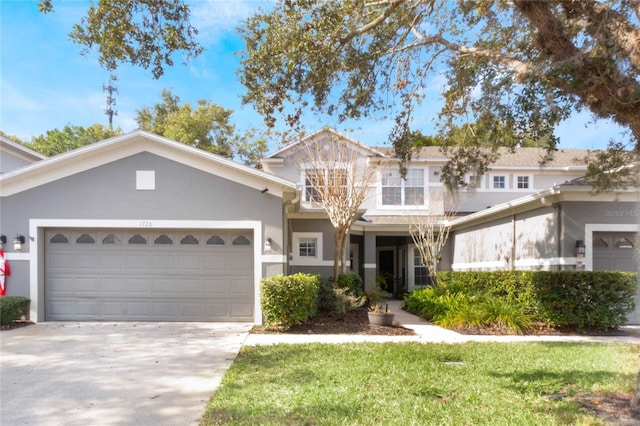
x=13, y=308
x=572, y=299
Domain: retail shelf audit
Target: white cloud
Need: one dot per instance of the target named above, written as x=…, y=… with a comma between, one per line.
x=213, y=18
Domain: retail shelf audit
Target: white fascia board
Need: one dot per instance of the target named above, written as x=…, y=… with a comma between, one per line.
x=123, y=146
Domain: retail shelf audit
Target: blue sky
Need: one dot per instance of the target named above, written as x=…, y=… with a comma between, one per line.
x=45, y=83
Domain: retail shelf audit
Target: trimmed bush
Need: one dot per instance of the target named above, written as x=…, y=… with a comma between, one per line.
x=516, y=299
x=13, y=308
x=289, y=300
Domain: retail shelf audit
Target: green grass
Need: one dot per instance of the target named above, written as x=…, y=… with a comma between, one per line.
x=419, y=384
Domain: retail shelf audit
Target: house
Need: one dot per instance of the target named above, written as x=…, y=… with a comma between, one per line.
x=139, y=227
x=519, y=215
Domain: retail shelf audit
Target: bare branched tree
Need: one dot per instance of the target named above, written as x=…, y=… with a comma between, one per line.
x=430, y=234
x=339, y=176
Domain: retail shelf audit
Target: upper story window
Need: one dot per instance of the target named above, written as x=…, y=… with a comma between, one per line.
x=499, y=182
x=523, y=182
x=319, y=181
x=403, y=192
x=474, y=181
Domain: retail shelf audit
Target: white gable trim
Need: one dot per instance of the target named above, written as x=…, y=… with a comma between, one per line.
x=20, y=150
x=119, y=147
x=330, y=132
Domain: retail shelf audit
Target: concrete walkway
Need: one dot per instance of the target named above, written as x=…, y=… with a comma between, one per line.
x=429, y=333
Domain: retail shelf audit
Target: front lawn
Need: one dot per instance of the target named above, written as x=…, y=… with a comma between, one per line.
x=420, y=384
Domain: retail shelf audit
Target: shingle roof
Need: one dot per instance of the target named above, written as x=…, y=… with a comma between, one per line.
x=520, y=157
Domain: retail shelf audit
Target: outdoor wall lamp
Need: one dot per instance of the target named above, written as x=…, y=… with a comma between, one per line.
x=580, y=248
x=18, y=242
x=267, y=245
x=3, y=240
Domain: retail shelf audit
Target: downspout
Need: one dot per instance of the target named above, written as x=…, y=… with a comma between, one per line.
x=286, y=225
x=512, y=261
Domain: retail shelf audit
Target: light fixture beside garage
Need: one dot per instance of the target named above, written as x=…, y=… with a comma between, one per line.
x=267, y=245
x=3, y=240
x=18, y=242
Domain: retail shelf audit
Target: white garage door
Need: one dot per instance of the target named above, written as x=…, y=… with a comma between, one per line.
x=149, y=275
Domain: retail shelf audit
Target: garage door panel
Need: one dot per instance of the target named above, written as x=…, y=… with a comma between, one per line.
x=111, y=261
x=86, y=261
x=175, y=276
x=112, y=285
x=138, y=261
x=138, y=287
x=164, y=262
x=87, y=285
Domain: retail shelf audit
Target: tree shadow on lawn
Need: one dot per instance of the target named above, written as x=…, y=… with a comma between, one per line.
x=612, y=407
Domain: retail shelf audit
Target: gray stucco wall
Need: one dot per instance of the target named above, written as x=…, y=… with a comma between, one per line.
x=520, y=241
x=109, y=192
x=576, y=214
x=9, y=162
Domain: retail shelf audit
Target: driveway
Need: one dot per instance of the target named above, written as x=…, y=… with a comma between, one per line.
x=113, y=373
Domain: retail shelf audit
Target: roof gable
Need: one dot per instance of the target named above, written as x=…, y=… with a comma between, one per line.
x=19, y=150
x=329, y=134
x=122, y=146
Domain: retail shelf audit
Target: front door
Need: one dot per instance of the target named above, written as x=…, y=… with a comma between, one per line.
x=386, y=268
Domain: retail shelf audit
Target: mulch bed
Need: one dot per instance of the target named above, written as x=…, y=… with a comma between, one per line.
x=355, y=321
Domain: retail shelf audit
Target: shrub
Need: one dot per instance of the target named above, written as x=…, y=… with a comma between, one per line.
x=13, y=308
x=563, y=299
x=352, y=283
x=289, y=299
x=347, y=296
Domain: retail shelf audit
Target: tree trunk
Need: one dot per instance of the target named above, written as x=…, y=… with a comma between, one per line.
x=336, y=257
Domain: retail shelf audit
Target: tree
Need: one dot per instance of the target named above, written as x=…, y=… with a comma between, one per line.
x=521, y=64
x=145, y=33
x=12, y=138
x=430, y=234
x=339, y=180
x=70, y=137
x=207, y=127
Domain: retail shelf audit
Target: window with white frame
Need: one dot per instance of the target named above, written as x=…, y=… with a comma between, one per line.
x=523, y=182
x=421, y=276
x=474, y=181
x=402, y=192
x=499, y=182
x=318, y=180
x=311, y=182
x=306, y=248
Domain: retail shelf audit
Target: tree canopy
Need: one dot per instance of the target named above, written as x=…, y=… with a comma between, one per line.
x=521, y=64
x=206, y=126
x=57, y=141
x=145, y=33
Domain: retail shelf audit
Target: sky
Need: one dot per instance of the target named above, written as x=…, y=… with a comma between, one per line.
x=46, y=84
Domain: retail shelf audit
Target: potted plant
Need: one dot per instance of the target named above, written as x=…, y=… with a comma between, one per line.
x=379, y=314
